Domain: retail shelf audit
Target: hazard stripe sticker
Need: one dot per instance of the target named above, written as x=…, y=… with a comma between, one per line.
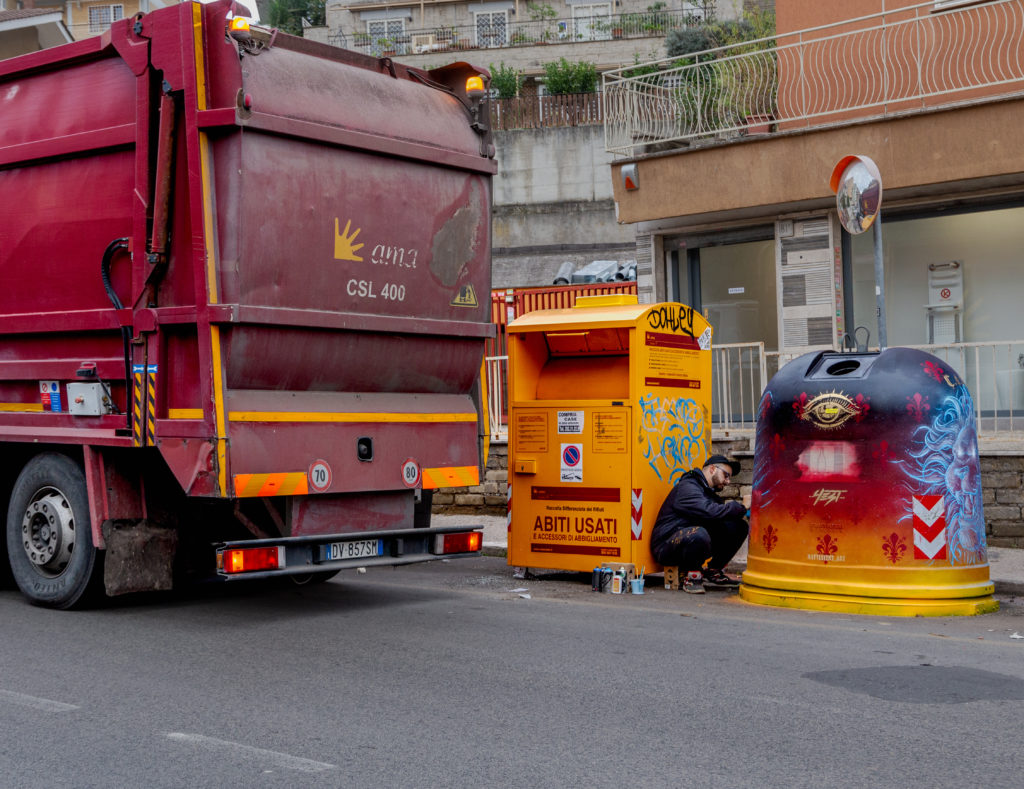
x=637, y=513
x=282, y=484
x=929, y=527
x=450, y=477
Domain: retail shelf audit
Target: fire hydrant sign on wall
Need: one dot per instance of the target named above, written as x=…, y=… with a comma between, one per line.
x=609, y=406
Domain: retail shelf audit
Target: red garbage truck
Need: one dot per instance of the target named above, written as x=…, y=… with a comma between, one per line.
x=245, y=295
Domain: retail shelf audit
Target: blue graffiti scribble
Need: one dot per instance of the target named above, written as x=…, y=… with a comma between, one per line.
x=674, y=435
x=943, y=460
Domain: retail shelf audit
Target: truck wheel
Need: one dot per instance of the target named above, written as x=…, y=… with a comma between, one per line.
x=49, y=539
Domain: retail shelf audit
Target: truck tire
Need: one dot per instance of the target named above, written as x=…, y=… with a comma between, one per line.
x=49, y=538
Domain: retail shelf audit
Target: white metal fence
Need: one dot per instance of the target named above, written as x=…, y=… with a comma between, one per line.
x=993, y=372
x=497, y=396
x=890, y=63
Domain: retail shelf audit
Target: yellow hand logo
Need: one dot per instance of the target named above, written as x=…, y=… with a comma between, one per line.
x=344, y=249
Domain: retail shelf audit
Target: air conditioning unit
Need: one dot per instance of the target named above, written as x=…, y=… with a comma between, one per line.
x=424, y=43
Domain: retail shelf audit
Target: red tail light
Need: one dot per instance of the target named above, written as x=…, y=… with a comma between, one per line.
x=247, y=560
x=463, y=542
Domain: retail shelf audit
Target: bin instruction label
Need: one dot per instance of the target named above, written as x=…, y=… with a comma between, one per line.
x=570, y=422
x=610, y=432
x=532, y=432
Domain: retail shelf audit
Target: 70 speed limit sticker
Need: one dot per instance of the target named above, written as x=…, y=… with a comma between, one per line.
x=319, y=475
x=411, y=473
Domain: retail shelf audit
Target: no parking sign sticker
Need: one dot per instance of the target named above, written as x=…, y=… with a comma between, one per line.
x=572, y=462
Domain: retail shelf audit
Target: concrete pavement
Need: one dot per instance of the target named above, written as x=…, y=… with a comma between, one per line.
x=1006, y=565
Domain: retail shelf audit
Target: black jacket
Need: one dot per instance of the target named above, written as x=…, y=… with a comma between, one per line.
x=692, y=502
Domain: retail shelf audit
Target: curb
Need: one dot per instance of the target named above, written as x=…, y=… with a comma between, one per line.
x=1002, y=587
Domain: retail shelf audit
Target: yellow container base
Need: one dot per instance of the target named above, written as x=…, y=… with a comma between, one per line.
x=879, y=606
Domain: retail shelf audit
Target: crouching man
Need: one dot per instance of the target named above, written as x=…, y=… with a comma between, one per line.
x=697, y=527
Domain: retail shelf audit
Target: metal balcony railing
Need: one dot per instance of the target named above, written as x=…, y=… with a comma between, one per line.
x=891, y=63
x=497, y=32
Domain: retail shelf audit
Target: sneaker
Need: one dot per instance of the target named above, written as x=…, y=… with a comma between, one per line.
x=716, y=579
x=693, y=582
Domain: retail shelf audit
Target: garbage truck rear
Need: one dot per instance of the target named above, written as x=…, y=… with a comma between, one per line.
x=245, y=297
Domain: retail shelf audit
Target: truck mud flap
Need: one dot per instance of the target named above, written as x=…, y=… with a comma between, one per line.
x=140, y=558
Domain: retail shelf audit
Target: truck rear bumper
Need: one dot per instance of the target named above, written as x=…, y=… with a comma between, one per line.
x=320, y=553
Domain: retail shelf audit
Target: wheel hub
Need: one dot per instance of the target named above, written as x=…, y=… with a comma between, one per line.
x=48, y=531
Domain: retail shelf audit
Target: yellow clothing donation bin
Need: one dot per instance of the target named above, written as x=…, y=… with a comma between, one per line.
x=609, y=404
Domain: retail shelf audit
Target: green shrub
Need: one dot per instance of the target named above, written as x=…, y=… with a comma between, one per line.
x=565, y=77
x=683, y=41
x=506, y=80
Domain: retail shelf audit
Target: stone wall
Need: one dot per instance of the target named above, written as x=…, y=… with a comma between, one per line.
x=488, y=498
x=1001, y=477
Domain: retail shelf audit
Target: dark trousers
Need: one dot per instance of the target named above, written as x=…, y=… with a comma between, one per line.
x=690, y=546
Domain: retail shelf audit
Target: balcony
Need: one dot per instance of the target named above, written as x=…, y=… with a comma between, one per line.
x=879, y=66
x=500, y=34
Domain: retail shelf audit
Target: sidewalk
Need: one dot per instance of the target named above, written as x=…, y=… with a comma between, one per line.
x=1006, y=565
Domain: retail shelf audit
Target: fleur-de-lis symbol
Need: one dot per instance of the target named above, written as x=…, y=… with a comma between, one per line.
x=800, y=405
x=827, y=546
x=863, y=406
x=917, y=405
x=769, y=538
x=894, y=547
x=933, y=370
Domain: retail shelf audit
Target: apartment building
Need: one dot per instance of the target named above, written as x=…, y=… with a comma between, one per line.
x=731, y=161
x=27, y=30
x=521, y=33
x=85, y=18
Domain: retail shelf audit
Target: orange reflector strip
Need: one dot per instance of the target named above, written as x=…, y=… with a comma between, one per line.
x=283, y=484
x=247, y=560
x=450, y=477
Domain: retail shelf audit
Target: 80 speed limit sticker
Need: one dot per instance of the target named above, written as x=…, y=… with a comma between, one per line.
x=411, y=473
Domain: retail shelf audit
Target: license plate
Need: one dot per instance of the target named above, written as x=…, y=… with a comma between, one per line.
x=353, y=549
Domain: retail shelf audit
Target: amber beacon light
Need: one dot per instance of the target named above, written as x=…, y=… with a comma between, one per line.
x=238, y=27
x=475, y=87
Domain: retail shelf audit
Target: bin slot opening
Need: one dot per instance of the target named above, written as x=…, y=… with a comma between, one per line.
x=584, y=378
x=841, y=365
x=564, y=343
x=842, y=368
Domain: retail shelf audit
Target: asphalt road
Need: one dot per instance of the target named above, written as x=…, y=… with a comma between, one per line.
x=440, y=675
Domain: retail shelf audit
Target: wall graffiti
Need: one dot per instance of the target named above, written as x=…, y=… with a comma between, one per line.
x=673, y=431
